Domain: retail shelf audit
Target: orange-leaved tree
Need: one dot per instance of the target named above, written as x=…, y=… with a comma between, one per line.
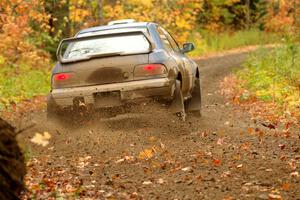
x=284, y=16
x=17, y=21
x=178, y=16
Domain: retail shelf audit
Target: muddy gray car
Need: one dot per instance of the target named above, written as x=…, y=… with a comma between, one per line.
x=109, y=66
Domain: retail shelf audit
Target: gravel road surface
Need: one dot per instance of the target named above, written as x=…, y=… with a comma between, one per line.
x=152, y=155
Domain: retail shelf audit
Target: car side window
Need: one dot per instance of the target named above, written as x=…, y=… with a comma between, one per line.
x=164, y=39
x=172, y=41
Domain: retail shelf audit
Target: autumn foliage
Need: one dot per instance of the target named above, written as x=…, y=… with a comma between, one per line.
x=283, y=16
x=20, y=23
x=178, y=16
x=31, y=30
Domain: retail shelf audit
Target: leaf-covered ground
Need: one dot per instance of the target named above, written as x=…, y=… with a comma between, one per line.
x=226, y=154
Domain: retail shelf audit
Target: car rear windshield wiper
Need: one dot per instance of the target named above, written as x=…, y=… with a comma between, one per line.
x=100, y=55
x=91, y=56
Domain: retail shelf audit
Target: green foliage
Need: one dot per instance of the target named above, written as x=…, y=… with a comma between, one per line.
x=207, y=42
x=231, y=14
x=274, y=75
x=23, y=83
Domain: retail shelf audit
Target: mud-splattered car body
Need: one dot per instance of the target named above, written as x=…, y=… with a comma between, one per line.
x=107, y=66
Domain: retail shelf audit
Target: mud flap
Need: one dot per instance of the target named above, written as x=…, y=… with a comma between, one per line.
x=177, y=105
x=194, y=105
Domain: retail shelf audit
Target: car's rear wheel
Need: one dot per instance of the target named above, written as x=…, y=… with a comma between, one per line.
x=194, y=104
x=177, y=105
x=73, y=114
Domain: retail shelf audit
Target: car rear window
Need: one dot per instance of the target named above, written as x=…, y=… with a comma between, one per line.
x=104, y=46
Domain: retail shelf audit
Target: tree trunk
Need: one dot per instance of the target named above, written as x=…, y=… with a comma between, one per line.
x=100, y=7
x=248, y=14
x=12, y=166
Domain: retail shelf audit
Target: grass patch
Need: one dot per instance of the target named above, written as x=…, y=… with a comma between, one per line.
x=208, y=42
x=274, y=75
x=22, y=82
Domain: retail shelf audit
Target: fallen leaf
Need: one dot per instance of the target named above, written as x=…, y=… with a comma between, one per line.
x=162, y=145
x=133, y=195
x=186, y=169
x=82, y=159
x=126, y=158
x=204, y=134
x=160, y=181
x=240, y=166
x=220, y=141
x=129, y=158
x=120, y=160
x=294, y=174
x=226, y=174
x=146, y=154
x=286, y=186
x=41, y=139
x=275, y=196
x=281, y=146
x=217, y=162
x=293, y=165
x=108, y=195
x=147, y=183
x=152, y=139
x=270, y=126
x=250, y=130
x=245, y=146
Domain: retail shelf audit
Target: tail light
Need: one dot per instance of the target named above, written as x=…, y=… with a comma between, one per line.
x=150, y=70
x=62, y=79
x=62, y=76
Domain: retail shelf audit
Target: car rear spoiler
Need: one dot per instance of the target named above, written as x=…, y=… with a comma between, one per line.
x=127, y=32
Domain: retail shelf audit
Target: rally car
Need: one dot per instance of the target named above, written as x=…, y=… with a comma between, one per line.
x=111, y=65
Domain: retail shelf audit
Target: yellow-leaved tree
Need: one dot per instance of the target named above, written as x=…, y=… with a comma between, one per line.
x=178, y=16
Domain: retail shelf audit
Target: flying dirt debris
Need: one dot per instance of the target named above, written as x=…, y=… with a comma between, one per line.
x=12, y=166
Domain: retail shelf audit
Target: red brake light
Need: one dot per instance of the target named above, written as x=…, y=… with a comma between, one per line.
x=63, y=79
x=150, y=70
x=62, y=76
x=149, y=67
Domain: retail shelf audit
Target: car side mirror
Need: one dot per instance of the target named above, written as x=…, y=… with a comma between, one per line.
x=188, y=47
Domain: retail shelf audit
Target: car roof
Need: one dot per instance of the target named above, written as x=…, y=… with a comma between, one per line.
x=116, y=26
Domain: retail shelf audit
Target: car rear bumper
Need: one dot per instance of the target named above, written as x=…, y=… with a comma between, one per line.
x=162, y=87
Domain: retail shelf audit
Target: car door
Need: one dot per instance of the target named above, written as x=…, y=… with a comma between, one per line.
x=188, y=69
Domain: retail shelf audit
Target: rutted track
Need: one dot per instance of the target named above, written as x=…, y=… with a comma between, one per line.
x=208, y=158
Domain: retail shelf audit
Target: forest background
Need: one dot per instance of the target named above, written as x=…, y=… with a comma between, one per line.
x=31, y=30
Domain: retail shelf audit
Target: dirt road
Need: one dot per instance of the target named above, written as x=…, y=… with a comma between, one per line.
x=152, y=155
